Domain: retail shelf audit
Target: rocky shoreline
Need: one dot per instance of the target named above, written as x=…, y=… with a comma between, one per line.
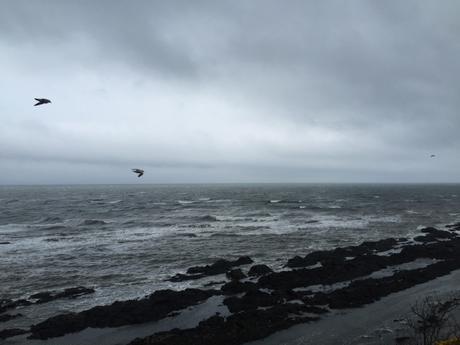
x=261, y=301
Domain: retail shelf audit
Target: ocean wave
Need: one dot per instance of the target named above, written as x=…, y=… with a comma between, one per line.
x=208, y=218
x=218, y=201
x=357, y=222
x=411, y=212
x=252, y=227
x=187, y=234
x=225, y=234
x=258, y=214
x=51, y=219
x=53, y=239
x=185, y=202
x=93, y=222
x=54, y=227
x=196, y=226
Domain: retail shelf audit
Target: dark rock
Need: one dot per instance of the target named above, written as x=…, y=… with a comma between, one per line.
x=12, y=332
x=235, y=287
x=433, y=234
x=43, y=297
x=335, y=270
x=220, y=266
x=332, y=271
x=235, y=274
x=259, y=270
x=338, y=255
x=180, y=277
x=251, y=300
x=6, y=304
x=214, y=283
x=258, y=313
x=75, y=292
x=298, y=261
x=151, y=308
x=7, y=317
x=365, y=291
x=233, y=330
x=453, y=227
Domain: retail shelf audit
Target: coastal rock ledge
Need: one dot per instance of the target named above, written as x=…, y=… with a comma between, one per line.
x=261, y=301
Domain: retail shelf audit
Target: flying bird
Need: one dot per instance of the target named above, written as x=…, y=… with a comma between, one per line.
x=432, y=156
x=41, y=101
x=139, y=172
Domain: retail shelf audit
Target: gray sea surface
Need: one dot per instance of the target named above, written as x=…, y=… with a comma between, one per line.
x=126, y=240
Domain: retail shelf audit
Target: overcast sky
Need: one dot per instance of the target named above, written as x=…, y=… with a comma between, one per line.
x=230, y=91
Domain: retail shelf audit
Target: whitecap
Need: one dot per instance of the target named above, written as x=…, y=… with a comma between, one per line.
x=185, y=202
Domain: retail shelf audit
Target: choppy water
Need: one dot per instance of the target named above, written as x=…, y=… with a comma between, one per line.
x=125, y=240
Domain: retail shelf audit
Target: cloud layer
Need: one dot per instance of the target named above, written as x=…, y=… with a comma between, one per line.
x=230, y=91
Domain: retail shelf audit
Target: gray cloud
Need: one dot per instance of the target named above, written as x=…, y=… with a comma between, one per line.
x=297, y=91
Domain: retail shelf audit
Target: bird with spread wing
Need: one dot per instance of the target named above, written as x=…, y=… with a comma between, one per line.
x=139, y=172
x=41, y=101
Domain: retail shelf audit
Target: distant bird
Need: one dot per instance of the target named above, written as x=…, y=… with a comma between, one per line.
x=432, y=156
x=41, y=101
x=139, y=172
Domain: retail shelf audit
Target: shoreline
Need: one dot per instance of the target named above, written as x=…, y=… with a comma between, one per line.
x=265, y=302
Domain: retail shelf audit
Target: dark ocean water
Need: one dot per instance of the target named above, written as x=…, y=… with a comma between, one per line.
x=126, y=240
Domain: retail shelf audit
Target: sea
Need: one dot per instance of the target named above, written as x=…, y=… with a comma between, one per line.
x=125, y=241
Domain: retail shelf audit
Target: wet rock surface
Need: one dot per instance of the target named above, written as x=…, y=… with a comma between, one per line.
x=259, y=270
x=361, y=292
x=235, y=329
x=340, y=254
x=235, y=287
x=12, y=332
x=235, y=274
x=6, y=304
x=262, y=301
x=219, y=267
x=8, y=317
x=453, y=227
x=153, y=307
x=43, y=297
x=251, y=300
